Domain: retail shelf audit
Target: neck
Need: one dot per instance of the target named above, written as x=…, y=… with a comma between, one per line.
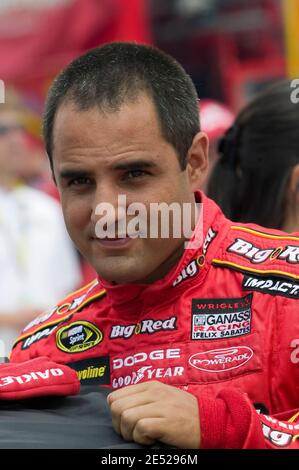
x=162, y=270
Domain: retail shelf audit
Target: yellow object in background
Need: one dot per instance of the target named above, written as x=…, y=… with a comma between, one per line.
x=291, y=21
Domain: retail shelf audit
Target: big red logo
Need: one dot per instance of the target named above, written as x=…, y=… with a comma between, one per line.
x=220, y=360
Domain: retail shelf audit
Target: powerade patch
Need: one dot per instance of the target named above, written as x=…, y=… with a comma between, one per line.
x=221, y=318
x=78, y=336
x=95, y=370
x=272, y=285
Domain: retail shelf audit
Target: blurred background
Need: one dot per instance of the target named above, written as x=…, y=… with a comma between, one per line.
x=231, y=48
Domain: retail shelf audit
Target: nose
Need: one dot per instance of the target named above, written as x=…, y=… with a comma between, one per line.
x=109, y=204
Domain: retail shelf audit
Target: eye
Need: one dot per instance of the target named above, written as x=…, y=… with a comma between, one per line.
x=79, y=181
x=133, y=174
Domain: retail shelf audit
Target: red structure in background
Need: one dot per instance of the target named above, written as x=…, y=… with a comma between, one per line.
x=250, y=59
x=37, y=41
x=231, y=48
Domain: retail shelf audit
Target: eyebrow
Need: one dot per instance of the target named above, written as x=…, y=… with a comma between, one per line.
x=134, y=164
x=70, y=174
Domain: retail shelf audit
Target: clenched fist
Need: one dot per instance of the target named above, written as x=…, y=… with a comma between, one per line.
x=152, y=411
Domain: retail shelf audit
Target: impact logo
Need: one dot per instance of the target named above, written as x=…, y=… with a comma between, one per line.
x=220, y=360
x=256, y=255
x=78, y=336
x=272, y=286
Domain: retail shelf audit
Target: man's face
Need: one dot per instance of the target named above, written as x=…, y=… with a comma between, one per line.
x=100, y=155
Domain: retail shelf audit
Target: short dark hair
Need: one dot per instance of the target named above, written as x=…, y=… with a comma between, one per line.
x=257, y=154
x=108, y=76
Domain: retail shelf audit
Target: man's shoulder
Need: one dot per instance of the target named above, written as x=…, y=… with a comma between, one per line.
x=259, y=250
x=67, y=307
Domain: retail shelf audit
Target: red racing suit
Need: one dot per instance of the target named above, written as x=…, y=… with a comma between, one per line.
x=223, y=325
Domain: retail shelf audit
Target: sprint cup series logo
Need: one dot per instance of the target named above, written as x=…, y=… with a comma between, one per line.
x=78, y=336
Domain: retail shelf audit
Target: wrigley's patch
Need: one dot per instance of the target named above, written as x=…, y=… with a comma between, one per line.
x=92, y=371
x=272, y=285
x=221, y=318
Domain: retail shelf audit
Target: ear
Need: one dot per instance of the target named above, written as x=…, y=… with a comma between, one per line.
x=291, y=219
x=294, y=181
x=197, y=160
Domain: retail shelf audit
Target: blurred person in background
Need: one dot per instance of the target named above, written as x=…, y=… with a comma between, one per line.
x=38, y=263
x=257, y=176
x=215, y=119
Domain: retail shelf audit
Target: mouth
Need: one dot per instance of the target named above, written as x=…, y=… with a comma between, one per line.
x=119, y=242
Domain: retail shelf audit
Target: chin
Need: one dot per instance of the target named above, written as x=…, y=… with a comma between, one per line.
x=119, y=273
x=120, y=277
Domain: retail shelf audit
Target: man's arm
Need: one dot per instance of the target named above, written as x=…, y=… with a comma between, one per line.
x=154, y=411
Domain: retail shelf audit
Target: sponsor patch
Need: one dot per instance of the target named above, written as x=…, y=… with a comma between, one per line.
x=144, y=327
x=78, y=336
x=272, y=285
x=221, y=360
x=221, y=318
x=148, y=373
x=256, y=255
x=275, y=431
x=191, y=270
x=25, y=378
x=147, y=364
x=139, y=357
x=295, y=353
x=59, y=310
x=208, y=240
x=92, y=371
x=40, y=319
x=35, y=337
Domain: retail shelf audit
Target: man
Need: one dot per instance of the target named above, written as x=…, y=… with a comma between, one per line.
x=194, y=336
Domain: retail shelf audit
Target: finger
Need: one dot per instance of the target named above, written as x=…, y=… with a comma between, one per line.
x=131, y=390
x=122, y=405
x=147, y=430
x=131, y=417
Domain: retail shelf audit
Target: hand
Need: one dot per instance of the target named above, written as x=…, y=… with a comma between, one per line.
x=153, y=411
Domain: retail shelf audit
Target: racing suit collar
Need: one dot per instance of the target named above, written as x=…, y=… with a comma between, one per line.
x=134, y=296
